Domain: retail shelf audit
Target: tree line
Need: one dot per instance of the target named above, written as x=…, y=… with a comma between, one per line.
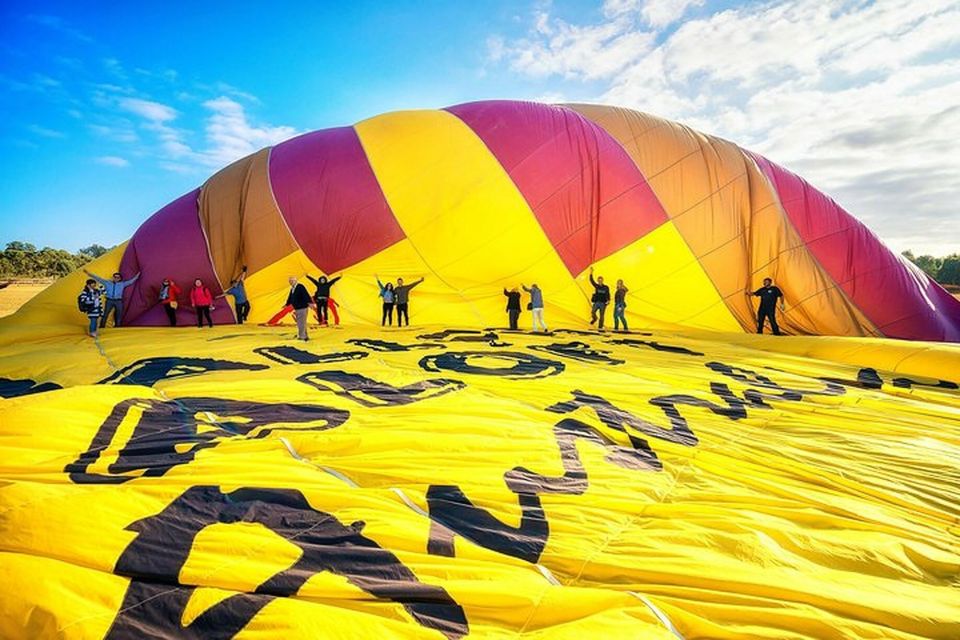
x=944, y=270
x=24, y=260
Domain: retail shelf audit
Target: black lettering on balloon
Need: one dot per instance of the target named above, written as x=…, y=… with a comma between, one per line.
x=149, y=371
x=868, y=378
x=746, y=376
x=656, y=346
x=522, y=365
x=155, y=600
x=618, y=419
x=168, y=433
x=465, y=335
x=451, y=508
x=292, y=355
x=574, y=478
x=373, y=393
x=10, y=388
x=385, y=345
x=580, y=351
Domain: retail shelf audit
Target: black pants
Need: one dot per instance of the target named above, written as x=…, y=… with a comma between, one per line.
x=204, y=312
x=402, y=314
x=764, y=314
x=243, y=310
x=599, y=310
x=514, y=316
x=171, y=314
x=387, y=318
x=321, y=309
x=115, y=305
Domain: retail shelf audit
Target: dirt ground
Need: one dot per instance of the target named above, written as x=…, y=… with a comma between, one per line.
x=16, y=295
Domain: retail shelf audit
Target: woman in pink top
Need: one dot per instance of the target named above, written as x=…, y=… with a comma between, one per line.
x=202, y=301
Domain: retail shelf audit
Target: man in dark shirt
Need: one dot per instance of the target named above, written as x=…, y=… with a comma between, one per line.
x=401, y=294
x=322, y=295
x=599, y=300
x=299, y=299
x=513, y=306
x=768, y=295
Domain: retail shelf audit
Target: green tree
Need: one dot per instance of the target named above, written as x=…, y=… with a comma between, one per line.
x=949, y=272
x=929, y=264
x=94, y=250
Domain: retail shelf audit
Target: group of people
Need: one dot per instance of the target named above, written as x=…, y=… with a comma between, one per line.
x=394, y=296
x=96, y=289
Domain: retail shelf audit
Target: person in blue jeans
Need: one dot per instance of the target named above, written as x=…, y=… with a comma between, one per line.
x=386, y=292
x=599, y=300
x=113, y=289
x=239, y=293
x=91, y=304
x=619, y=306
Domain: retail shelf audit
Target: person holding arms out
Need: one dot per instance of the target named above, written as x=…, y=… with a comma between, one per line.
x=321, y=294
x=113, y=290
x=536, y=306
x=769, y=295
x=599, y=300
x=387, y=293
x=401, y=294
x=239, y=293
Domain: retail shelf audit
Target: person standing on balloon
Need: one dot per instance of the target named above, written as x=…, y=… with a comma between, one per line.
x=299, y=300
x=619, y=306
x=768, y=295
x=536, y=306
x=169, y=291
x=513, y=306
x=599, y=300
x=321, y=295
x=387, y=293
x=202, y=301
x=90, y=304
x=239, y=293
x=401, y=294
x=114, y=291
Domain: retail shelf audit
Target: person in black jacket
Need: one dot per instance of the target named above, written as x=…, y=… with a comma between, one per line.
x=768, y=295
x=299, y=299
x=401, y=294
x=513, y=306
x=322, y=294
x=599, y=300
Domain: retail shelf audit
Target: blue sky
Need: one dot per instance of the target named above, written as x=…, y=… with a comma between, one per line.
x=111, y=110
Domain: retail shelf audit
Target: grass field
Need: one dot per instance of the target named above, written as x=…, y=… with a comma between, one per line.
x=17, y=294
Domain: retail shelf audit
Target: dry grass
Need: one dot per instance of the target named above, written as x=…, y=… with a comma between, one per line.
x=17, y=294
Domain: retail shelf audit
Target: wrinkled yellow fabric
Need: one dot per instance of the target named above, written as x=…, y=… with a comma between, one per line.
x=809, y=490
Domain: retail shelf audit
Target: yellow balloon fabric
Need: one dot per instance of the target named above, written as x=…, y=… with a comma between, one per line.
x=431, y=483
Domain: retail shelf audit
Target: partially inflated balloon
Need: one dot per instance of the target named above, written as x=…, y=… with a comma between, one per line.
x=454, y=480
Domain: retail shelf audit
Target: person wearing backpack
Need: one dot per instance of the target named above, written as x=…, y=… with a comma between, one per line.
x=89, y=302
x=202, y=301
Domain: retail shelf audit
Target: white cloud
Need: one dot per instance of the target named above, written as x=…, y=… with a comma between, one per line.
x=231, y=136
x=58, y=24
x=45, y=132
x=152, y=111
x=861, y=98
x=112, y=161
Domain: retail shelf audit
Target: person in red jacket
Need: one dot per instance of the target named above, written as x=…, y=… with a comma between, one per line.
x=202, y=301
x=169, y=292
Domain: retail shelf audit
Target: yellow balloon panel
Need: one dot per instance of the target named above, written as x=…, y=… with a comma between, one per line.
x=441, y=483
